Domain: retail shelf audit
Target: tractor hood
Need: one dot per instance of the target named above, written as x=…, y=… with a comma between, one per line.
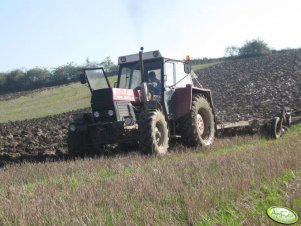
x=115, y=94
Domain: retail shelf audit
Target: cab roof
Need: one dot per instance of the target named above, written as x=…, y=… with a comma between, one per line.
x=135, y=57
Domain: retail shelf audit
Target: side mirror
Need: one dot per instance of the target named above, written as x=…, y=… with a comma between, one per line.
x=187, y=67
x=165, y=78
x=82, y=78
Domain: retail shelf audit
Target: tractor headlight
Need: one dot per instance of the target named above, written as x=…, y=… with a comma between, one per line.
x=96, y=114
x=123, y=59
x=155, y=53
x=110, y=112
x=128, y=120
x=72, y=128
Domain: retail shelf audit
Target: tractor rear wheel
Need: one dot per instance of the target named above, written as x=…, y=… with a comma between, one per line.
x=197, y=127
x=153, y=133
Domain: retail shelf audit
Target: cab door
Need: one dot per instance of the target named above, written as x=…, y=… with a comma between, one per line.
x=169, y=81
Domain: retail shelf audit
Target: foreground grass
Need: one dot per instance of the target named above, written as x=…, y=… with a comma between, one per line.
x=231, y=184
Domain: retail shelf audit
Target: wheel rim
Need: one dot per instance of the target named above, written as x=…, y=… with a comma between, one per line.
x=159, y=136
x=200, y=124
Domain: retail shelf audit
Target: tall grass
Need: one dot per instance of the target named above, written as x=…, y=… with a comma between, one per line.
x=231, y=184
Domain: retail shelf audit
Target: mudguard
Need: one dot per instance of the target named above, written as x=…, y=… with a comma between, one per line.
x=184, y=99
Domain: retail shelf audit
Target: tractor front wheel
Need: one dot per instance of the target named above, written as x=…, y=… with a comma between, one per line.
x=153, y=133
x=197, y=127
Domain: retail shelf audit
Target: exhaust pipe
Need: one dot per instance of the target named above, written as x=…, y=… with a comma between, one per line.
x=144, y=89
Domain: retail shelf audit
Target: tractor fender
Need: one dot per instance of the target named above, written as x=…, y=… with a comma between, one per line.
x=183, y=100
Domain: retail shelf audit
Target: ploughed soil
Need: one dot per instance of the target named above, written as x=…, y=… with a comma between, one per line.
x=242, y=89
x=255, y=87
x=35, y=139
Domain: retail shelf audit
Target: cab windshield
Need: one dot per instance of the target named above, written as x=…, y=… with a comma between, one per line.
x=97, y=78
x=130, y=74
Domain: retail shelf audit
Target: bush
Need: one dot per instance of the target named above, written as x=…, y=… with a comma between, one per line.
x=255, y=47
x=231, y=51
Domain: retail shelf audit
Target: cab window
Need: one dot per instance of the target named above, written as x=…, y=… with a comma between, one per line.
x=181, y=77
x=130, y=74
x=169, y=73
x=130, y=77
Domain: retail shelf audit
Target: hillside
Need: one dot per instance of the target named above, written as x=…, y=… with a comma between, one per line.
x=255, y=87
x=44, y=102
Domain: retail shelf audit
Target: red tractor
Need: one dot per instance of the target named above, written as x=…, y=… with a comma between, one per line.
x=153, y=100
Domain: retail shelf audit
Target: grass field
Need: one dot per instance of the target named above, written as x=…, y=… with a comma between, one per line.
x=203, y=66
x=231, y=184
x=48, y=102
x=52, y=101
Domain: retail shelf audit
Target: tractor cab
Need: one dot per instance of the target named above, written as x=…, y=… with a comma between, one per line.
x=161, y=75
x=130, y=76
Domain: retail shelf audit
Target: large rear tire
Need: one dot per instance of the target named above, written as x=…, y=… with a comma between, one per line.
x=197, y=127
x=153, y=133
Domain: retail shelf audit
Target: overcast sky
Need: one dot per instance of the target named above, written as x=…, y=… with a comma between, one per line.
x=50, y=33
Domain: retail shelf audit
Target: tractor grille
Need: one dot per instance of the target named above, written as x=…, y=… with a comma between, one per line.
x=122, y=110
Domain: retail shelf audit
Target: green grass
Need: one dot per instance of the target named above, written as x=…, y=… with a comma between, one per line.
x=256, y=203
x=48, y=102
x=203, y=66
x=112, y=80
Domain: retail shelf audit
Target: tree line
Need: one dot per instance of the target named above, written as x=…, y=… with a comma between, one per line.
x=21, y=80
